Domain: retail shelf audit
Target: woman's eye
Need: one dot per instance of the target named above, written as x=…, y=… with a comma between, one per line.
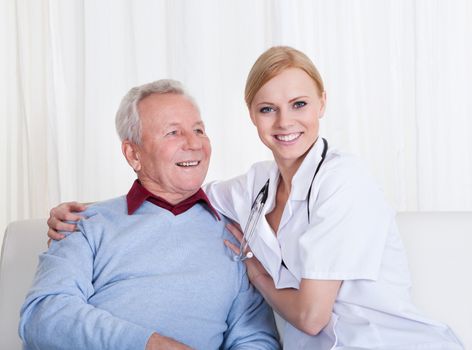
x=299, y=104
x=266, y=109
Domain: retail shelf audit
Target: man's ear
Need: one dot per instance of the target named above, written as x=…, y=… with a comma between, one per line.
x=131, y=153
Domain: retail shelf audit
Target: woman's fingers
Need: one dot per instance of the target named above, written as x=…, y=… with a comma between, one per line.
x=71, y=211
x=67, y=211
x=235, y=224
x=54, y=235
x=235, y=231
x=62, y=213
x=232, y=246
x=58, y=225
x=58, y=217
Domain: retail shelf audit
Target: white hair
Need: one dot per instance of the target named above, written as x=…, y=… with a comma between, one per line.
x=128, y=124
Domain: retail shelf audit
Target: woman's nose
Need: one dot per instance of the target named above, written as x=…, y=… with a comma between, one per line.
x=284, y=119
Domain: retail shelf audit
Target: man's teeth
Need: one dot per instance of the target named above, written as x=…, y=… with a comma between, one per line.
x=193, y=163
x=289, y=137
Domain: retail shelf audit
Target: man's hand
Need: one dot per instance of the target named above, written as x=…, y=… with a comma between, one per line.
x=159, y=342
x=63, y=212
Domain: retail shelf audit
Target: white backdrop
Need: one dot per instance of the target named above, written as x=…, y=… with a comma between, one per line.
x=398, y=75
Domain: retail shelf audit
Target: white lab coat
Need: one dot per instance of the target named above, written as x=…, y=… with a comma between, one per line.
x=351, y=236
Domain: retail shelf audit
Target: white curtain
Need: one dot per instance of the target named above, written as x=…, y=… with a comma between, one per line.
x=398, y=75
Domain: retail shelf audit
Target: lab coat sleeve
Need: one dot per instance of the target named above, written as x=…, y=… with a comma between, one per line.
x=228, y=197
x=251, y=323
x=233, y=198
x=349, y=224
x=56, y=314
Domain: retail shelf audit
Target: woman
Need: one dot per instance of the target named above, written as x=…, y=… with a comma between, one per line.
x=328, y=256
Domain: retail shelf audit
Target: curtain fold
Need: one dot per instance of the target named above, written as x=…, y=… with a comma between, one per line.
x=398, y=78
x=24, y=110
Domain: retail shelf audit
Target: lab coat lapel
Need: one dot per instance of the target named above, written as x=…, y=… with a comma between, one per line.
x=302, y=180
x=266, y=246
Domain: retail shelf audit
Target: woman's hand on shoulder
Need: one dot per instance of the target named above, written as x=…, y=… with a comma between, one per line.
x=253, y=266
x=159, y=342
x=61, y=216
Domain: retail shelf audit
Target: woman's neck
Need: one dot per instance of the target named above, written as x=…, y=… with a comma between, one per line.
x=289, y=167
x=287, y=172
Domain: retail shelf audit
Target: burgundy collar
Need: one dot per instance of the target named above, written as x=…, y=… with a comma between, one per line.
x=138, y=194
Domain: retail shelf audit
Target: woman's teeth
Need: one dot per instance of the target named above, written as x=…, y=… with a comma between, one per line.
x=289, y=137
x=185, y=164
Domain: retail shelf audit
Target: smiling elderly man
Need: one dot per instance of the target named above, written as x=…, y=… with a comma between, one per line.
x=149, y=270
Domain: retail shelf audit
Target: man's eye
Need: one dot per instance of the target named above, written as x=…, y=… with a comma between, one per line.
x=200, y=131
x=266, y=109
x=170, y=133
x=299, y=104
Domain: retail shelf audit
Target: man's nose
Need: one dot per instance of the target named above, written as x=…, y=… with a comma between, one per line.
x=193, y=141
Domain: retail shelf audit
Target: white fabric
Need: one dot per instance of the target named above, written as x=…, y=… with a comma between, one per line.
x=351, y=236
x=397, y=73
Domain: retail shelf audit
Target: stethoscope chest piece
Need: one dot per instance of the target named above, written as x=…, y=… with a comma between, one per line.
x=243, y=257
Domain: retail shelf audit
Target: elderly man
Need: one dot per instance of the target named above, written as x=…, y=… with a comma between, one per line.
x=149, y=270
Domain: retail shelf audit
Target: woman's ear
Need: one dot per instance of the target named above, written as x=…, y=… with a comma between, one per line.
x=323, y=104
x=131, y=153
x=251, y=114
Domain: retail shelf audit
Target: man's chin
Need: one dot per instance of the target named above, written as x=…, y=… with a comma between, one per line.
x=190, y=187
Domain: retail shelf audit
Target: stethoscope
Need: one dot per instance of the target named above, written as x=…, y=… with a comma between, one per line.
x=258, y=206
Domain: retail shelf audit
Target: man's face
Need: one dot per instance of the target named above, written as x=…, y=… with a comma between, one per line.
x=173, y=158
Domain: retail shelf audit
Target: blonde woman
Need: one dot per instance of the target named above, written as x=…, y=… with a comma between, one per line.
x=327, y=254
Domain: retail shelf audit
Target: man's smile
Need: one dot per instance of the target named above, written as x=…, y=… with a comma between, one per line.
x=189, y=163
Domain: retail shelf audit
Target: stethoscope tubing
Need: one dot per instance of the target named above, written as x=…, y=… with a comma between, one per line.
x=251, y=224
x=258, y=206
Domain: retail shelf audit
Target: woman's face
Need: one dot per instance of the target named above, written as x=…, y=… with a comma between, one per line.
x=286, y=111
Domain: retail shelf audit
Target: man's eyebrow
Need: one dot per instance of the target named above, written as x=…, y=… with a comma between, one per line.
x=173, y=124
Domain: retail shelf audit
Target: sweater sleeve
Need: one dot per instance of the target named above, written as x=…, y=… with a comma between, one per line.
x=251, y=323
x=56, y=313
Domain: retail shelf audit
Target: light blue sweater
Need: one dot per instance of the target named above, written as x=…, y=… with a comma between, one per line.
x=125, y=276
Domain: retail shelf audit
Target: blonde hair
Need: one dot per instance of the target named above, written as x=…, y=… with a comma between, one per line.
x=272, y=62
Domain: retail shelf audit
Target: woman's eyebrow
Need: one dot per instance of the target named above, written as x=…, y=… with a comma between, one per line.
x=265, y=103
x=297, y=98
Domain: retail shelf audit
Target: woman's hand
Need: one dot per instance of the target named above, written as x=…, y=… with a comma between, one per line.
x=254, y=267
x=159, y=342
x=308, y=308
x=64, y=212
